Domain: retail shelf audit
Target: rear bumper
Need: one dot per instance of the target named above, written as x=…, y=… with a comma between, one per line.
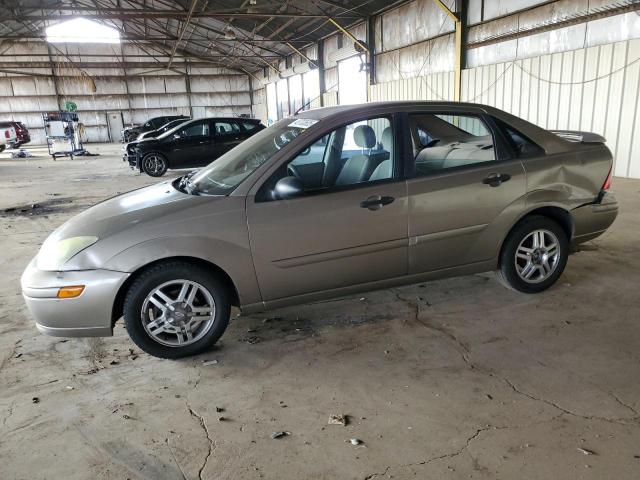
x=89, y=315
x=593, y=219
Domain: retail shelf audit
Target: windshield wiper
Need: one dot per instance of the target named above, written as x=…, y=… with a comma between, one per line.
x=185, y=185
x=191, y=187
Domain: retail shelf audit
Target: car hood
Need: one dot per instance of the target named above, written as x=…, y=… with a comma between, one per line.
x=146, y=141
x=119, y=213
x=147, y=214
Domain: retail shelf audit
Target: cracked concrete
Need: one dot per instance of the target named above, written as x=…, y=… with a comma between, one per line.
x=458, y=378
x=203, y=424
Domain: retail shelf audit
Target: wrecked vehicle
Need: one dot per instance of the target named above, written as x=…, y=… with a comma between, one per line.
x=322, y=204
x=193, y=143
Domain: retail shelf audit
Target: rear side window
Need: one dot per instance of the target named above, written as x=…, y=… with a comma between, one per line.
x=470, y=125
x=522, y=146
x=442, y=142
x=226, y=128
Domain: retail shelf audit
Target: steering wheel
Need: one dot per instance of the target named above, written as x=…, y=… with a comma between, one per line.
x=293, y=171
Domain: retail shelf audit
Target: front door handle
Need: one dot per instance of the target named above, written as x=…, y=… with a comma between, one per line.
x=496, y=179
x=376, y=202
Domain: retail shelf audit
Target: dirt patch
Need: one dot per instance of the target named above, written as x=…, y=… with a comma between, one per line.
x=46, y=207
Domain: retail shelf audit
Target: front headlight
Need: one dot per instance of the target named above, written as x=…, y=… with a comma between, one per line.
x=55, y=253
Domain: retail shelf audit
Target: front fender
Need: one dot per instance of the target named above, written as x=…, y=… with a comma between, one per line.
x=234, y=260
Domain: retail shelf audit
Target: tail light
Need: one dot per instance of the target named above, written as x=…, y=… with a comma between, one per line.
x=6, y=134
x=607, y=183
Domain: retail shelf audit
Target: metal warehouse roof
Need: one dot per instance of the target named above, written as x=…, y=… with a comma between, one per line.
x=239, y=35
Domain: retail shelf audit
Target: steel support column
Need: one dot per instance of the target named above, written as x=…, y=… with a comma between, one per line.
x=187, y=84
x=371, y=43
x=459, y=20
x=321, y=80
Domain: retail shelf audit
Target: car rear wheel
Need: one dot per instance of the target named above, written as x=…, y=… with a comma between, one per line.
x=154, y=164
x=534, y=255
x=2, y=147
x=176, y=309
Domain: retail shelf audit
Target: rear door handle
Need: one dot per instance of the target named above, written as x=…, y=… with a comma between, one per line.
x=496, y=179
x=376, y=202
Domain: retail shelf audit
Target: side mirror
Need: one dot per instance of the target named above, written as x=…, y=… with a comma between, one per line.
x=288, y=187
x=176, y=136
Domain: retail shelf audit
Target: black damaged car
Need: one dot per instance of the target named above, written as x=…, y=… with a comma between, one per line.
x=191, y=144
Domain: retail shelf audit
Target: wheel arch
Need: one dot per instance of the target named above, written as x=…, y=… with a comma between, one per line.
x=157, y=152
x=555, y=212
x=118, y=302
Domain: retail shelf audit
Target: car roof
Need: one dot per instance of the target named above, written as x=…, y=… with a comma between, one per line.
x=320, y=113
x=226, y=119
x=550, y=142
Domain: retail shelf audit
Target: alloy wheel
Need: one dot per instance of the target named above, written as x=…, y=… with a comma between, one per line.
x=153, y=164
x=178, y=313
x=537, y=256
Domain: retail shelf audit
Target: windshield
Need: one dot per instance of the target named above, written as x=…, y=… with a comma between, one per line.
x=228, y=171
x=172, y=124
x=173, y=129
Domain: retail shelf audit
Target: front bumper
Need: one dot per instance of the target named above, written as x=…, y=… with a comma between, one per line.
x=89, y=315
x=132, y=160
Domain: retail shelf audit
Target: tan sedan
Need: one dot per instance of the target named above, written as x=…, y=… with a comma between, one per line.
x=323, y=204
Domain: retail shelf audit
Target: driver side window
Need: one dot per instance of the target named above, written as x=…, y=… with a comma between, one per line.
x=196, y=130
x=352, y=154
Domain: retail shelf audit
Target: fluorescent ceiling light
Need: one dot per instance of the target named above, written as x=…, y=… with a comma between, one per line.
x=81, y=30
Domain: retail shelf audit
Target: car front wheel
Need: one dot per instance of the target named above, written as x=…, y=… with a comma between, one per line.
x=154, y=165
x=534, y=255
x=176, y=309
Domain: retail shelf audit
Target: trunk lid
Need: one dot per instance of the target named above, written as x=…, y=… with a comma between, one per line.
x=578, y=136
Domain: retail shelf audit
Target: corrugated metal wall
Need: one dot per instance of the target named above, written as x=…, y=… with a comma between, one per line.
x=437, y=86
x=594, y=89
x=138, y=95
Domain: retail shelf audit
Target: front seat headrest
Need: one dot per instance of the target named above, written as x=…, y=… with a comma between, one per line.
x=364, y=136
x=387, y=139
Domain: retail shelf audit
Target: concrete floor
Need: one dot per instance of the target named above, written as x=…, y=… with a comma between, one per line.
x=458, y=378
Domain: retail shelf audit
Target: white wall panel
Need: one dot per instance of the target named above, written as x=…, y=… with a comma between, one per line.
x=438, y=86
x=23, y=98
x=594, y=89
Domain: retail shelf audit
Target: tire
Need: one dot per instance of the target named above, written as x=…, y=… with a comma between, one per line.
x=2, y=147
x=157, y=333
x=527, y=261
x=154, y=164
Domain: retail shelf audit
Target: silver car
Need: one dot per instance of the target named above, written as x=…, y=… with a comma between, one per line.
x=326, y=203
